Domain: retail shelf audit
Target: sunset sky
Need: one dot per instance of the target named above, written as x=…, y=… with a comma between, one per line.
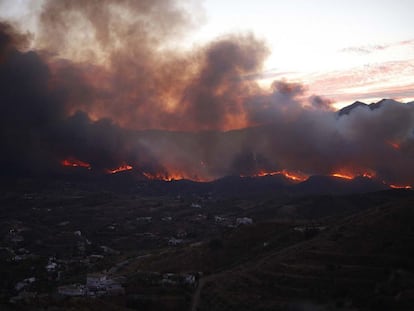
x=343, y=50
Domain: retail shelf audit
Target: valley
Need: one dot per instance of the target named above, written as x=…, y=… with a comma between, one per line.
x=92, y=245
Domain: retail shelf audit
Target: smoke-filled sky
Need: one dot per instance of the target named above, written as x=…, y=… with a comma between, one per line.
x=342, y=50
x=317, y=41
x=144, y=83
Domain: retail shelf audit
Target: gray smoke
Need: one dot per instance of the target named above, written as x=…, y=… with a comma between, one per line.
x=118, y=92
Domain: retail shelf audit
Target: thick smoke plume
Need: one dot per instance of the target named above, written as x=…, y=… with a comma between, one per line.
x=106, y=84
x=134, y=73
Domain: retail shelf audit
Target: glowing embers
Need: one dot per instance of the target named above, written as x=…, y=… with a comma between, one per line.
x=293, y=176
x=401, y=187
x=72, y=162
x=350, y=176
x=369, y=175
x=162, y=176
x=172, y=176
x=122, y=168
x=343, y=176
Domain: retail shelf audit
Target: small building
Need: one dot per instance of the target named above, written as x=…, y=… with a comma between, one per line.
x=181, y=234
x=175, y=242
x=189, y=279
x=99, y=284
x=219, y=219
x=244, y=221
x=26, y=282
x=224, y=221
x=96, y=280
x=51, y=265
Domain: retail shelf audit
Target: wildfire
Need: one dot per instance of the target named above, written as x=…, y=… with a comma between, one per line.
x=350, y=176
x=368, y=175
x=124, y=167
x=75, y=163
x=342, y=175
x=261, y=174
x=172, y=176
x=164, y=176
x=400, y=187
x=294, y=176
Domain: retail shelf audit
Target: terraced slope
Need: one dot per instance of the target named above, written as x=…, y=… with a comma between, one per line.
x=363, y=262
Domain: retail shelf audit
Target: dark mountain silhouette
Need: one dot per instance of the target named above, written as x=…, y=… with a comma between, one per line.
x=347, y=110
x=236, y=186
x=336, y=185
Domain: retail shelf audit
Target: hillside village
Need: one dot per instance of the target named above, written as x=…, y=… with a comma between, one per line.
x=75, y=245
x=63, y=247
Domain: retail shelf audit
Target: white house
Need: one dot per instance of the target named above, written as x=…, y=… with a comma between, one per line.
x=244, y=221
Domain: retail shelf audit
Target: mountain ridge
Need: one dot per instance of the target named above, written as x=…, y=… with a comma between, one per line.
x=357, y=104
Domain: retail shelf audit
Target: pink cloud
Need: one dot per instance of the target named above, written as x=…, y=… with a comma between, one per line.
x=371, y=48
x=390, y=79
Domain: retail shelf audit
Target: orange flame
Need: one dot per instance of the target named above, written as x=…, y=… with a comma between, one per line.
x=401, y=187
x=368, y=175
x=75, y=163
x=294, y=176
x=172, y=176
x=348, y=175
x=122, y=168
x=160, y=176
x=343, y=175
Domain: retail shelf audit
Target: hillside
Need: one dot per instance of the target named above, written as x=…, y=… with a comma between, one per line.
x=187, y=247
x=362, y=262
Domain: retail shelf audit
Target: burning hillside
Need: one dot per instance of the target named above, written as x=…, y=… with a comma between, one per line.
x=105, y=87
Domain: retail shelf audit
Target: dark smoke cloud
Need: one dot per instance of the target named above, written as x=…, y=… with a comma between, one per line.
x=121, y=49
x=215, y=99
x=29, y=110
x=36, y=132
x=122, y=66
x=10, y=39
x=307, y=140
x=106, y=86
